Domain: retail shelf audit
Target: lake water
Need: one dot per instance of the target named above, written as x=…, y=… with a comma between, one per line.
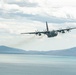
x=21, y=64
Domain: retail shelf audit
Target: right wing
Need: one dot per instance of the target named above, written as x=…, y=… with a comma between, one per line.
x=66, y=29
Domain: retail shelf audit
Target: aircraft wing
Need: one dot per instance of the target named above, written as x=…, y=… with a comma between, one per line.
x=35, y=32
x=66, y=29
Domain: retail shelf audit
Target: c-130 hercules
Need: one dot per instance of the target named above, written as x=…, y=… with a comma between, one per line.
x=52, y=33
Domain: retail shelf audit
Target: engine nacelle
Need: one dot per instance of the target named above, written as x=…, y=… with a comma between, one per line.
x=62, y=31
x=39, y=34
x=68, y=30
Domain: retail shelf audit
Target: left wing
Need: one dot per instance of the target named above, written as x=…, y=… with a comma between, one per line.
x=63, y=30
x=44, y=32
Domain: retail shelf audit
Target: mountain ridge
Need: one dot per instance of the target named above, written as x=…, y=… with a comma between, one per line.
x=9, y=50
x=65, y=52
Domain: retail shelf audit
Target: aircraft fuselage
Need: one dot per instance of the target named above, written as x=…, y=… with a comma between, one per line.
x=52, y=34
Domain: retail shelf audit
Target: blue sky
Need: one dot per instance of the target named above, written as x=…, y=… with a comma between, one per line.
x=18, y=16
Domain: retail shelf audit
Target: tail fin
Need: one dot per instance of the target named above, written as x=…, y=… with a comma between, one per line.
x=47, y=26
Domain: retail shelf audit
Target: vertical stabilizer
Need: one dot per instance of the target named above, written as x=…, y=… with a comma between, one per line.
x=47, y=26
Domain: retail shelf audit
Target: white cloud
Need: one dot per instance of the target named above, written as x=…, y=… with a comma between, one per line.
x=15, y=19
x=45, y=9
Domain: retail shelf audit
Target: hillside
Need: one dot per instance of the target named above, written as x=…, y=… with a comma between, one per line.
x=9, y=50
x=66, y=52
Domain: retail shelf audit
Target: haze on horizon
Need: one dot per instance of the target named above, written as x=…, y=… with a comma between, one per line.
x=18, y=16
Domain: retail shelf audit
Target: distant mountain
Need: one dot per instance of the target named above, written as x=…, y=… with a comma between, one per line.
x=66, y=52
x=9, y=50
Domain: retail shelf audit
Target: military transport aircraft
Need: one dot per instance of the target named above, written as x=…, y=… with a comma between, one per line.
x=52, y=33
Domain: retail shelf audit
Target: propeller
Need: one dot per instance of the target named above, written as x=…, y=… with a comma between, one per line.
x=68, y=30
x=36, y=32
x=61, y=31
